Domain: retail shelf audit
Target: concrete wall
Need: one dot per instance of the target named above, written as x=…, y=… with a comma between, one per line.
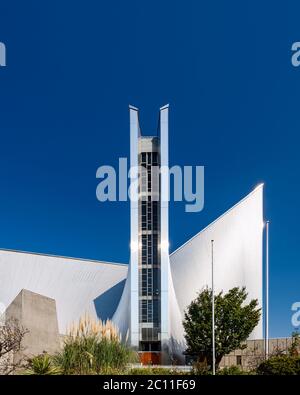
x=251, y=356
x=36, y=313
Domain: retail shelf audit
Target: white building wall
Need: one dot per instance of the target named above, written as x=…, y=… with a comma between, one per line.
x=237, y=236
x=164, y=227
x=134, y=228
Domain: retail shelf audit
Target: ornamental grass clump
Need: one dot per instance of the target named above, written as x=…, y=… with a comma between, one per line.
x=94, y=347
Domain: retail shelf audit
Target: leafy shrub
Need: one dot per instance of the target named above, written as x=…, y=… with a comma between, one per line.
x=42, y=365
x=154, y=371
x=295, y=346
x=201, y=369
x=280, y=365
x=232, y=371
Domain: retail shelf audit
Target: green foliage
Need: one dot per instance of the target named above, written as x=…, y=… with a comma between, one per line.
x=42, y=365
x=201, y=369
x=154, y=371
x=234, y=321
x=294, y=349
x=283, y=365
x=232, y=371
x=93, y=355
x=91, y=347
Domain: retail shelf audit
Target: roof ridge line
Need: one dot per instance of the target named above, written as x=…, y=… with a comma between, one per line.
x=62, y=256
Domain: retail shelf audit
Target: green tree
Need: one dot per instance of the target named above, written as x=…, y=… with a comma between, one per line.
x=294, y=348
x=234, y=321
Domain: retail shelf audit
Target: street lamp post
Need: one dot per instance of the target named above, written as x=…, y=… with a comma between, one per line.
x=267, y=292
x=213, y=309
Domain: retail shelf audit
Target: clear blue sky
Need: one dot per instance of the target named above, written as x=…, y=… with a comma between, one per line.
x=72, y=69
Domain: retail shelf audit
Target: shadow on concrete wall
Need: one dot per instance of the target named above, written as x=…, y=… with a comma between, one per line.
x=107, y=303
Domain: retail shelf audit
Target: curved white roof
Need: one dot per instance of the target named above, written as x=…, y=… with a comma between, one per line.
x=237, y=236
x=77, y=285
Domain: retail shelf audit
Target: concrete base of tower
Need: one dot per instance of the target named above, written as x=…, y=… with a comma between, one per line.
x=150, y=357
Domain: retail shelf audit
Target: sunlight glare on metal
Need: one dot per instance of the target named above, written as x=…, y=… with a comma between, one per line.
x=134, y=246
